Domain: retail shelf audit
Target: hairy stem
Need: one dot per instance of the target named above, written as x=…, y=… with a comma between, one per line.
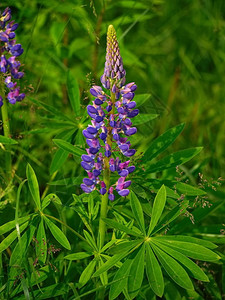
x=106, y=179
x=6, y=130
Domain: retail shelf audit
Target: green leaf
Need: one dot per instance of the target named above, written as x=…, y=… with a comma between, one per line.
x=154, y=272
x=144, y=118
x=136, y=273
x=41, y=245
x=68, y=147
x=189, y=239
x=7, y=141
x=73, y=93
x=171, y=216
x=137, y=211
x=113, y=260
x=174, y=159
x=58, y=160
x=173, y=268
x=103, y=276
x=87, y=273
x=162, y=142
x=11, y=237
x=58, y=234
x=188, y=190
x=49, y=292
x=52, y=110
x=90, y=240
x=78, y=255
x=142, y=98
x=125, y=246
x=158, y=207
x=121, y=227
x=120, y=279
x=33, y=186
x=66, y=181
x=50, y=198
x=190, y=249
x=12, y=224
x=193, y=269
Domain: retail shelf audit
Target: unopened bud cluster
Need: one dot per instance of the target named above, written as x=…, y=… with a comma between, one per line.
x=111, y=125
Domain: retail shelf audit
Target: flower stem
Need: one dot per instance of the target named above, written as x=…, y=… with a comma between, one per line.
x=106, y=179
x=6, y=130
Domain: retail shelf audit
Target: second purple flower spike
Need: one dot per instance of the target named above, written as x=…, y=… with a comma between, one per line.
x=111, y=111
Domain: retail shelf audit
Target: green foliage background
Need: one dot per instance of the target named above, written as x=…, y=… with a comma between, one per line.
x=173, y=50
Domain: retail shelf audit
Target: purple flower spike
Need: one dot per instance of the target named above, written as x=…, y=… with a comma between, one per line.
x=9, y=66
x=111, y=125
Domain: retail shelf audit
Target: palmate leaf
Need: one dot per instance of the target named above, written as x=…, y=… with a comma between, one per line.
x=154, y=272
x=162, y=142
x=174, y=159
x=193, y=269
x=52, y=110
x=189, y=239
x=137, y=211
x=114, y=259
x=58, y=234
x=191, y=250
x=171, y=216
x=121, y=227
x=50, y=198
x=173, y=268
x=68, y=147
x=158, y=207
x=33, y=186
x=120, y=279
x=136, y=273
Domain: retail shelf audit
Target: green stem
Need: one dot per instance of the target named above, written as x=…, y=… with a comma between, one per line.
x=6, y=130
x=106, y=179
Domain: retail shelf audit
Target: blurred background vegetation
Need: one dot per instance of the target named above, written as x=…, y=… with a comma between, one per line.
x=174, y=50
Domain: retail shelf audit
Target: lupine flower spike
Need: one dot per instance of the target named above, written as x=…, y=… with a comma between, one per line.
x=9, y=51
x=107, y=136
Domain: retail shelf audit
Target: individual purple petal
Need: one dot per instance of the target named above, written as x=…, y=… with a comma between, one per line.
x=131, y=131
x=123, y=173
x=91, y=109
x=88, y=181
x=86, y=166
x=85, y=188
x=86, y=158
x=124, y=192
x=96, y=172
x=133, y=113
x=103, y=191
x=92, y=130
x=131, y=169
x=130, y=152
x=87, y=134
x=127, y=184
x=111, y=197
x=98, y=101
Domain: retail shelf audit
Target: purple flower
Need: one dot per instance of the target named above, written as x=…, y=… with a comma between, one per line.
x=107, y=136
x=9, y=51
